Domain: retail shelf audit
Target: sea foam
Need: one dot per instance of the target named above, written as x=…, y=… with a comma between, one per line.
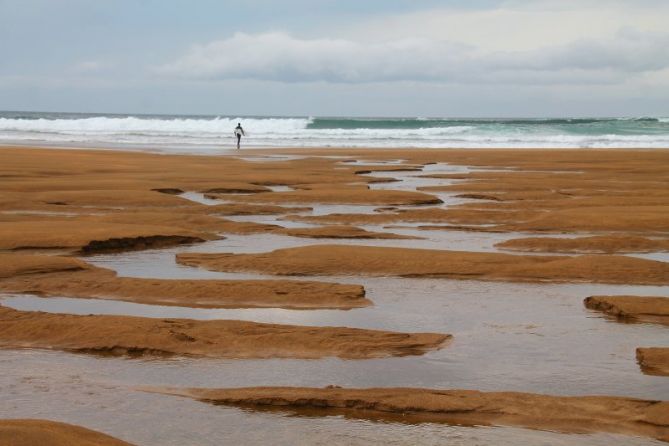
x=211, y=131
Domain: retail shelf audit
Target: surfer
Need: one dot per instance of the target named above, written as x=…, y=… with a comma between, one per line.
x=239, y=131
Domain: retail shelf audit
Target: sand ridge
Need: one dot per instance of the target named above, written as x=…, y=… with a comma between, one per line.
x=632, y=308
x=334, y=195
x=653, y=360
x=342, y=232
x=13, y=265
x=579, y=414
x=92, y=236
x=137, y=336
x=99, y=283
x=604, y=244
x=408, y=262
x=21, y=432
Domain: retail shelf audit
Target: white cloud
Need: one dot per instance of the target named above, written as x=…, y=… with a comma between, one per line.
x=519, y=25
x=281, y=57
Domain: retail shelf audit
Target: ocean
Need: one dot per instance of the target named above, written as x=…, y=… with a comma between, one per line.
x=208, y=133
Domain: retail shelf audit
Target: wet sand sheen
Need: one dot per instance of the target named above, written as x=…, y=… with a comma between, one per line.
x=632, y=308
x=405, y=262
x=653, y=361
x=51, y=433
x=564, y=414
x=517, y=201
x=96, y=283
x=596, y=244
x=58, y=276
x=135, y=336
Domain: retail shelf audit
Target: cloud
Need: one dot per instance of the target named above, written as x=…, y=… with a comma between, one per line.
x=517, y=25
x=281, y=57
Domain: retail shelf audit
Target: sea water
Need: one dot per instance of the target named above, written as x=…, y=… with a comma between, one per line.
x=205, y=133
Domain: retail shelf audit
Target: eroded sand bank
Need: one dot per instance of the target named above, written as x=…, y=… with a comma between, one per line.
x=85, y=281
x=136, y=336
x=653, y=360
x=52, y=433
x=632, y=308
x=605, y=244
x=405, y=262
x=93, y=235
x=565, y=414
x=13, y=265
x=348, y=232
x=65, y=276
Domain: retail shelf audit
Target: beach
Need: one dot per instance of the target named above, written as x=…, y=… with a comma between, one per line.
x=336, y=295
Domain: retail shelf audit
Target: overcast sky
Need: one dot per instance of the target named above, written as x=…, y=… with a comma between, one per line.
x=495, y=58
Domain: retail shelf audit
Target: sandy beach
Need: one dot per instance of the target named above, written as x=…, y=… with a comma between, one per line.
x=563, y=414
x=31, y=432
x=442, y=289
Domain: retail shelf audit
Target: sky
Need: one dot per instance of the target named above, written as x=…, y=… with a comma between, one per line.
x=449, y=58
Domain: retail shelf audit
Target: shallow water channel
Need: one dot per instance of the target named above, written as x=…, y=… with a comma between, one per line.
x=507, y=336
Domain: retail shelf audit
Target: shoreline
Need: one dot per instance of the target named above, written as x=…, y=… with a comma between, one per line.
x=182, y=150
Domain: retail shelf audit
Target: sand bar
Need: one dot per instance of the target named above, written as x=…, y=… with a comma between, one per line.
x=52, y=433
x=97, y=283
x=66, y=276
x=407, y=262
x=91, y=236
x=580, y=414
x=632, y=308
x=653, y=360
x=334, y=195
x=637, y=219
x=137, y=336
x=604, y=244
x=12, y=265
x=342, y=232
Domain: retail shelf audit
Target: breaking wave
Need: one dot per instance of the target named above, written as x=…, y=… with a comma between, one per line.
x=216, y=131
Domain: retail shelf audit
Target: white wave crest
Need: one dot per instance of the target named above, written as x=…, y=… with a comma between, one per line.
x=167, y=133
x=133, y=125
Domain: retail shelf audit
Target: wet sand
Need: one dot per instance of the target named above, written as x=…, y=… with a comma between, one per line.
x=597, y=244
x=91, y=236
x=654, y=361
x=12, y=266
x=404, y=262
x=632, y=308
x=98, y=283
x=342, y=232
x=51, y=433
x=529, y=336
x=564, y=414
x=134, y=336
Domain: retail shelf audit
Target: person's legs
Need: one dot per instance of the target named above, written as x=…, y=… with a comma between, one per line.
x=239, y=138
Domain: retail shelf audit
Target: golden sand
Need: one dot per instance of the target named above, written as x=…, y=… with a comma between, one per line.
x=564, y=414
x=66, y=276
x=653, y=360
x=137, y=336
x=602, y=244
x=52, y=433
x=407, y=262
x=84, y=201
x=632, y=308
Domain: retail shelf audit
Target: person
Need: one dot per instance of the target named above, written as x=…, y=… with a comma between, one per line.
x=239, y=131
